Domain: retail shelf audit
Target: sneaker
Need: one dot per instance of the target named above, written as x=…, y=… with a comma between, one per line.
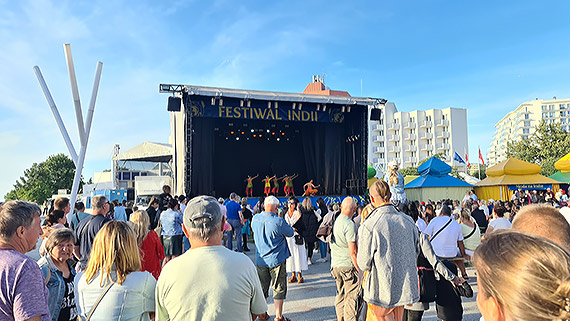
x=321, y=260
x=309, y=262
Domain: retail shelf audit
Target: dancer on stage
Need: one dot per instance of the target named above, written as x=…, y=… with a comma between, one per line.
x=396, y=182
x=267, y=181
x=310, y=189
x=289, y=189
x=275, y=189
x=249, y=187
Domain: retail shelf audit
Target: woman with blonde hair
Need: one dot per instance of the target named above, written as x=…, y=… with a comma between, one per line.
x=113, y=287
x=151, y=250
x=396, y=182
x=522, y=277
x=470, y=230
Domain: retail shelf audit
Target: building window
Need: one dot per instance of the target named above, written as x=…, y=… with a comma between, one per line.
x=397, y=132
x=413, y=154
x=525, y=131
x=381, y=132
x=526, y=123
x=562, y=106
x=543, y=107
x=397, y=154
x=381, y=155
x=429, y=141
x=551, y=114
x=381, y=144
x=563, y=113
x=550, y=107
x=443, y=117
x=563, y=121
x=526, y=116
x=413, y=143
x=412, y=119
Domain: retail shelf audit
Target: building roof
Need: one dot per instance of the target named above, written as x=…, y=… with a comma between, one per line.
x=148, y=152
x=514, y=171
x=563, y=164
x=435, y=173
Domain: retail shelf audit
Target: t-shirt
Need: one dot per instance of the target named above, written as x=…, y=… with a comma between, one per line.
x=224, y=286
x=421, y=224
x=163, y=200
x=152, y=253
x=445, y=243
x=76, y=218
x=85, y=233
x=23, y=294
x=474, y=240
x=68, y=310
x=120, y=214
x=500, y=223
x=171, y=221
x=480, y=218
x=233, y=208
x=344, y=231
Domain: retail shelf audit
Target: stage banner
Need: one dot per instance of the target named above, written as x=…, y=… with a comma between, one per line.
x=529, y=187
x=204, y=108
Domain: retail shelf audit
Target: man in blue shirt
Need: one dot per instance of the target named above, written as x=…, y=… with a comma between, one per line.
x=269, y=233
x=235, y=219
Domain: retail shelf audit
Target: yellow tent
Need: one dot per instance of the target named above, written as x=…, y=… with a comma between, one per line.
x=563, y=164
x=508, y=176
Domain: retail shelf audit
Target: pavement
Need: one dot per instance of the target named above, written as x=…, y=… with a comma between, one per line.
x=314, y=299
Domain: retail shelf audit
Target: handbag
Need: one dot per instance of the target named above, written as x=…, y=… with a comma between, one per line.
x=105, y=290
x=299, y=239
x=426, y=276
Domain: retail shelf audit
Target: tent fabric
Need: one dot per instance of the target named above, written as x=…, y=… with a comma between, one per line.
x=437, y=181
x=563, y=164
x=513, y=166
x=148, y=152
x=435, y=193
x=514, y=171
x=435, y=167
x=563, y=177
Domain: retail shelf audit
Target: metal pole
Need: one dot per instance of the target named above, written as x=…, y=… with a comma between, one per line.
x=93, y=99
x=75, y=92
x=77, y=176
x=56, y=114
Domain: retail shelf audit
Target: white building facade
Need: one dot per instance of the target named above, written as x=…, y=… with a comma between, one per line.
x=410, y=137
x=521, y=122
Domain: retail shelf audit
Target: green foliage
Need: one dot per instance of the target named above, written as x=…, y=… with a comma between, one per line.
x=438, y=155
x=548, y=144
x=409, y=171
x=414, y=170
x=43, y=180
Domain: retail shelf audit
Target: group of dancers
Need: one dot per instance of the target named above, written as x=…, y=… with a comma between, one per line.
x=310, y=189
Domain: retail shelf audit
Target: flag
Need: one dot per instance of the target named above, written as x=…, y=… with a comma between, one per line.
x=458, y=158
x=481, y=157
x=467, y=158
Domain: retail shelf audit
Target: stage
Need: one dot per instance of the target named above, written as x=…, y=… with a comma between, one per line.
x=330, y=199
x=222, y=136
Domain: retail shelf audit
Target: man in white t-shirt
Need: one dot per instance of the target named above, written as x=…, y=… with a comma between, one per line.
x=499, y=222
x=446, y=237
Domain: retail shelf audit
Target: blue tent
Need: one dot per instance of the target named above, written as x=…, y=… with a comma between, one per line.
x=436, y=183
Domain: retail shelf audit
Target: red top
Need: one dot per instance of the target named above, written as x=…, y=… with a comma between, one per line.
x=152, y=253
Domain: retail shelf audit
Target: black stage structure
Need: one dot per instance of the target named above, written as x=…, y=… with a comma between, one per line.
x=223, y=135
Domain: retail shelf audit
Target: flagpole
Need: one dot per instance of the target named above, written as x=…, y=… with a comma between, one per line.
x=479, y=171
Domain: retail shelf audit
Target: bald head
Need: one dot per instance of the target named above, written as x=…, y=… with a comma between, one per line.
x=348, y=207
x=543, y=220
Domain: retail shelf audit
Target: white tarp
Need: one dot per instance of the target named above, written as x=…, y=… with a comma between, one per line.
x=149, y=152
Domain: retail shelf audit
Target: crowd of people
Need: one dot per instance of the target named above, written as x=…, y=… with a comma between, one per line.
x=389, y=258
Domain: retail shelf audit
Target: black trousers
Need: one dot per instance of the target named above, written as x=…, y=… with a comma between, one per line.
x=410, y=315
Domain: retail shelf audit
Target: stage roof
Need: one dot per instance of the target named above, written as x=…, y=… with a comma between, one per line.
x=269, y=95
x=148, y=152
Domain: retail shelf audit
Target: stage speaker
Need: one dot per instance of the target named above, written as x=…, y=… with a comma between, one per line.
x=375, y=114
x=174, y=103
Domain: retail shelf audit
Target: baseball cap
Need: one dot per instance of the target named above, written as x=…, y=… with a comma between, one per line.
x=202, y=207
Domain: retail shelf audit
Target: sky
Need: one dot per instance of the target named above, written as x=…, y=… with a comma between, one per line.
x=485, y=56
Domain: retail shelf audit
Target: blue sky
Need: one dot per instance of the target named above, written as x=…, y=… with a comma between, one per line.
x=486, y=56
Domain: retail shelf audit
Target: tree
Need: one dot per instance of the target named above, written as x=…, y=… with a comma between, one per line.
x=43, y=180
x=548, y=144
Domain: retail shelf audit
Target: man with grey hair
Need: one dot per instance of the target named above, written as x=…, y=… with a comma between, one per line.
x=88, y=228
x=344, y=267
x=271, y=252
x=23, y=295
x=223, y=284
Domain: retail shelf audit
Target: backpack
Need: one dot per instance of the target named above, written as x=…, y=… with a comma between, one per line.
x=324, y=232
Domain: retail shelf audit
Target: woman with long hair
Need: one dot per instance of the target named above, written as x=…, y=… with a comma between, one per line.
x=470, y=230
x=311, y=223
x=396, y=182
x=323, y=246
x=297, y=262
x=113, y=287
x=59, y=274
x=522, y=277
x=56, y=219
x=152, y=252
x=430, y=213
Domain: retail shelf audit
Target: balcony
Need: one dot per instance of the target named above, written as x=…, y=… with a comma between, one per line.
x=409, y=136
x=393, y=126
x=393, y=149
x=377, y=127
x=410, y=160
x=377, y=138
x=426, y=123
x=443, y=135
x=378, y=150
x=394, y=137
x=410, y=148
x=442, y=122
x=442, y=146
x=427, y=147
x=426, y=135
x=410, y=125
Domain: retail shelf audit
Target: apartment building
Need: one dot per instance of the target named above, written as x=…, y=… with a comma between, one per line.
x=520, y=123
x=410, y=137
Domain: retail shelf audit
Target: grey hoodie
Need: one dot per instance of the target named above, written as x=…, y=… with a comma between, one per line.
x=387, y=250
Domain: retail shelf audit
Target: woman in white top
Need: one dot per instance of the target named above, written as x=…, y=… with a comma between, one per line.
x=470, y=230
x=297, y=262
x=113, y=278
x=499, y=222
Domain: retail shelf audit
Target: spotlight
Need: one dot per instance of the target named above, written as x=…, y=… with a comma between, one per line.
x=252, y=130
x=213, y=101
x=324, y=107
x=318, y=107
x=221, y=101
x=273, y=133
x=249, y=103
x=282, y=134
x=268, y=130
x=268, y=104
x=348, y=109
x=343, y=109
x=277, y=138
x=232, y=132
x=276, y=105
x=241, y=103
x=237, y=138
x=300, y=105
x=294, y=105
x=242, y=133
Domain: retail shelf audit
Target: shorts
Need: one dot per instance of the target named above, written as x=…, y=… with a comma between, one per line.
x=172, y=244
x=276, y=277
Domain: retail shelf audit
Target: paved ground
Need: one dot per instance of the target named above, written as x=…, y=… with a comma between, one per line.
x=314, y=299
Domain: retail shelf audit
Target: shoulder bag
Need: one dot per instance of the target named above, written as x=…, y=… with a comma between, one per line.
x=472, y=232
x=441, y=229
x=105, y=290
